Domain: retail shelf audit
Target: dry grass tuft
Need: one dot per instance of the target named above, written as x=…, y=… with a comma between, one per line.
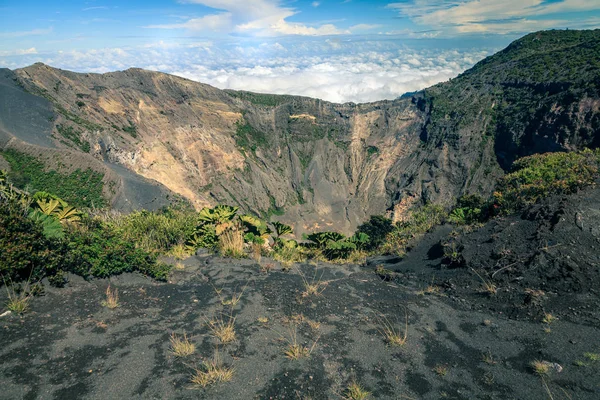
x=18, y=300
x=441, y=370
x=231, y=244
x=181, y=346
x=314, y=325
x=266, y=268
x=179, y=266
x=488, y=358
x=295, y=350
x=541, y=368
x=257, y=252
x=212, y=372
x=488, y=287
x=313, y=286
x=393, y=336
x=112, y=298
x=548, y=318
x=179, y=252
x=355, y=391
x=222, y=329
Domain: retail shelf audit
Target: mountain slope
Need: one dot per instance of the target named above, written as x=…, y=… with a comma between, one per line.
x=330, y=164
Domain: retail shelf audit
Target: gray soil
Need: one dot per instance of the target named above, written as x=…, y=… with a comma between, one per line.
x=31, y=116
x=71, y=347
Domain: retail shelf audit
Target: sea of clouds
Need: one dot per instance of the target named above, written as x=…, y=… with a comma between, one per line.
x=332, y=69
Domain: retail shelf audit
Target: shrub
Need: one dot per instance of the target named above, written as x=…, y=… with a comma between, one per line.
x=79, y=188
x=97, y=250
x=470, y=209
x=378, y=227
x=231, y=244
x=417, y=223
x=156, y=231
x=541, y=175
x=26, y=251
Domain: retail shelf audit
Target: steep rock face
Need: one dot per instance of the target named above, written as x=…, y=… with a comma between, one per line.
x=332, y=165
x=322, y=163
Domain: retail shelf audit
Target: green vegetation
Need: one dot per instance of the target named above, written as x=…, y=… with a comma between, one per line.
x=533, y=86
x=470, y=209
x=335, y=246
x=156, y=232
x=417, y=222
x=532, y=178
x=41, y=235
x=249, y=138
x=541, y=175
x=79, y=188
x=74, y=135
x=90, y=126
x=372, y=150
x=260, y=99
x=131, y=129
x=377, y=228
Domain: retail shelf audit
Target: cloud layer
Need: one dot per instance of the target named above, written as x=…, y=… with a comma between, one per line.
x=256, y=17
x=496, y=17
x=334, y=70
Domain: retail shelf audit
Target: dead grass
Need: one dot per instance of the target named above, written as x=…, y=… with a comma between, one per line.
x=441, y=370
x=541, y=368
x=313, y=286
x=488, y=358
x=179, y=266
x=231, y=244
x=488, y=287
x=181, y=346
x=179, y=252
x=355, y=391
x=223, y=328
x=18, y=299
x=234, y=299
x=432, y=289
x=392, y=335
x=112, y=298
x=548, y=318
x=212, y=372
x=256, y=252
x=294, y=349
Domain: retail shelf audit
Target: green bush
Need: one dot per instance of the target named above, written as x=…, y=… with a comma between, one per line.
x=470, y=209
x=542, y=175
x=25, y=250
x=378, y=227
x=334, y=245
x=156, y=231
x=31, y=249
x=79, y=188
x=97, y=250
x=417, y=223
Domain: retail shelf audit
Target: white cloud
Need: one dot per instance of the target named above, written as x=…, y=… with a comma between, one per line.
x=315, y=4
x=33, y=32
x=213, y=22
x=364, y=27
x=258, y=17
x=95, y=8
x=336, y=69
x=18, y=52
x=493, y=16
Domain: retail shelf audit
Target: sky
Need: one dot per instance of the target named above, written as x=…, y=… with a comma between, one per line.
x=337, y=50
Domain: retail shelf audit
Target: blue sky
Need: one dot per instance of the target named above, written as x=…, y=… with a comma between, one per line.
x=339, y=50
